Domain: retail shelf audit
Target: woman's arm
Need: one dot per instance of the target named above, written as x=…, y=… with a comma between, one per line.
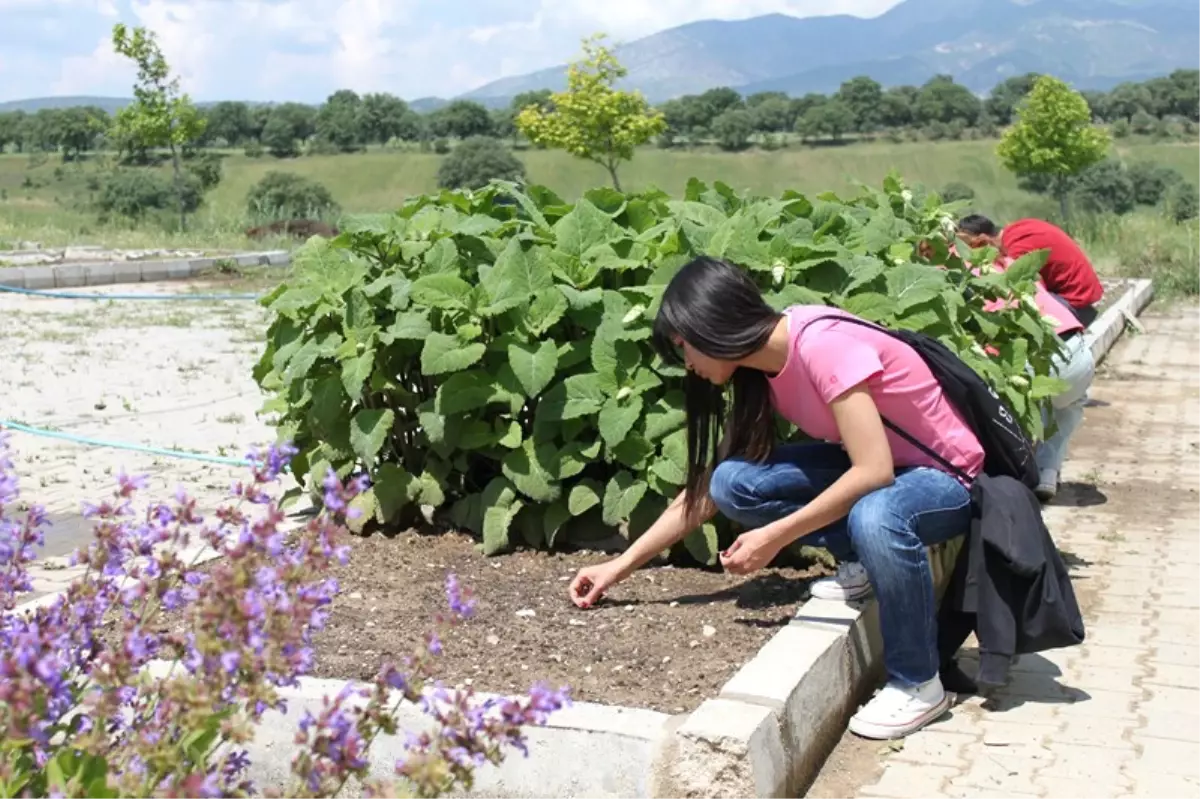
x=591, y=582
x=863, y=436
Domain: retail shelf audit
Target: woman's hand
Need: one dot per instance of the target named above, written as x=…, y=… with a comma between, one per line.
x=752, y=551
x=591, y=582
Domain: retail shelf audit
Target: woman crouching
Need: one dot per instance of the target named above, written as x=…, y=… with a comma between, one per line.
x=862, y=492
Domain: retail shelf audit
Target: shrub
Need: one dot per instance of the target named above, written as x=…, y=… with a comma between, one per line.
x=1182, y=201
x=476, y=161
x=957, y=192
x=441, y=145
x=1121, y=128
x=253, y=149
x=133, y=192
x=488, y=352
x=85, y=715
x=1104, y=187
x=207, y=169
x=286, y=195
x=1150, y=181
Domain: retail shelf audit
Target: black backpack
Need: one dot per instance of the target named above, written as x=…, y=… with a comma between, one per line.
x=1006, y=449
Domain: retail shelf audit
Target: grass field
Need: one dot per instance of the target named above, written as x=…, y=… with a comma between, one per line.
x=46, y=202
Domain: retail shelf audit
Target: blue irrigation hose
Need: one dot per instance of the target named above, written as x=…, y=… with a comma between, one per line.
x=82, y=295
x=96, y=442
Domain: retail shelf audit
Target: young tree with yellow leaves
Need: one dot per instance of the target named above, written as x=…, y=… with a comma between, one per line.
x=592, y=119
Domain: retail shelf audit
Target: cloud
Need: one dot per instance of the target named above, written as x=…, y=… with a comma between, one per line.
x=306, y=49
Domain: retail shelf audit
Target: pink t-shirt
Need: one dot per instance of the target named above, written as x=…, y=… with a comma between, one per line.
x=1047, y=305
x=831, y=357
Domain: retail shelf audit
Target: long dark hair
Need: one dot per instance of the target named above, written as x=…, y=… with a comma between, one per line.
x=715, y=307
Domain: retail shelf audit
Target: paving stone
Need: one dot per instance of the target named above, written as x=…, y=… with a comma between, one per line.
x=903, y=780
x=1171, y=674
x=1165, y=756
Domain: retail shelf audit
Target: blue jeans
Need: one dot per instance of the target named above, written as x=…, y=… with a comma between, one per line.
x=886, y=530
x=1077, y=367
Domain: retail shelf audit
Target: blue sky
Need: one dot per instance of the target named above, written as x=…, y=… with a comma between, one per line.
x=305, y=49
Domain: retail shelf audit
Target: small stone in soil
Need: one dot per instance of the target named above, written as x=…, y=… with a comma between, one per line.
x=527, y=613
x=709, y=631
x=354, y=595
x=693, y=643
x=493, y=639
x=577, y=622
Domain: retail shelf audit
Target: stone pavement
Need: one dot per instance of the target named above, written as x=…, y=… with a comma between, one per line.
x=1120, y=714
x=174, y=375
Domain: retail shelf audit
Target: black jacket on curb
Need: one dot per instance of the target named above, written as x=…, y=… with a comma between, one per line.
x=1010, y=585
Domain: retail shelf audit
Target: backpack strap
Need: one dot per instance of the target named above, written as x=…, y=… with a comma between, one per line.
x=947, y=465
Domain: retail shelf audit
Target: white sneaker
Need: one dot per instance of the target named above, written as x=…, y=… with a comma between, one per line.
x=850, y=583
x=899, y=710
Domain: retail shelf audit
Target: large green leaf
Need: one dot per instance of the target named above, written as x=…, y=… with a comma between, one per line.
x=582, y=229
x=392, y=486
x=409, y=326
x=355, y=372
x=520, y=271
x=443, y=353
x=585, y=495
x=547, y=308
x=441, y=291
x=369, y=430
x=702, y=544
x=578, y=395
x=533, y=365
x=617, y=418
x=911, y=284
x=621, y=496
x=527, y=469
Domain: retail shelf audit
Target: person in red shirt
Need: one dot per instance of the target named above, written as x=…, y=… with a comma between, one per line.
x=1067, y=273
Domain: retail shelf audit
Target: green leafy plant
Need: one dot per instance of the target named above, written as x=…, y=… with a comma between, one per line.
x=287, y=195
x=487, y=352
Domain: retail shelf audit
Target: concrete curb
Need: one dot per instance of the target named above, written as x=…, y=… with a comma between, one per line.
x=767, y=732
x=77, y=275
x=1105, y=330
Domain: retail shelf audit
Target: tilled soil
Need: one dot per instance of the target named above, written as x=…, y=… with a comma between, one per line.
x=666, y=639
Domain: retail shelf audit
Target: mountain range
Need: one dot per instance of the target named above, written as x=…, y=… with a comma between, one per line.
x=1093, y=44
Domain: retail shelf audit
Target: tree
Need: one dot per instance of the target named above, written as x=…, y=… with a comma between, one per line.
x=832, y=118
x=340, y=122
x=1185, y=99
x=1053, y=137
x=733, y=129
x=943, y=100
x=863, y=96
x=758, y=98
x=160, y=115
x=231, y=122
x=592, y=119
x=384, y=117
x=461, y=119
x=1126, y=99
x=717, y=101
x=897, y=107
x=286, y=126
x=78, y=128
x=1003, y=100
x=476, y=161
x=772, y=115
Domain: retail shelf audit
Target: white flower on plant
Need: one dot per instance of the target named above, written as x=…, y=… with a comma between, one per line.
x=633, y=314
x=948, y=225
x=906, y=195
x=777, y=272
x=624, y=392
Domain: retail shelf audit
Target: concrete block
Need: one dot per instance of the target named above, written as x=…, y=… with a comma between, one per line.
x=249, y=259
x=99, y=274
x=812, y=676
x=154, y=271
x=197, y=266
x=69, y=276
x=278, y=258
x=127, y=272
x=12, y=276
x=179, y=270
x=724, y=748
x=39, y=277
